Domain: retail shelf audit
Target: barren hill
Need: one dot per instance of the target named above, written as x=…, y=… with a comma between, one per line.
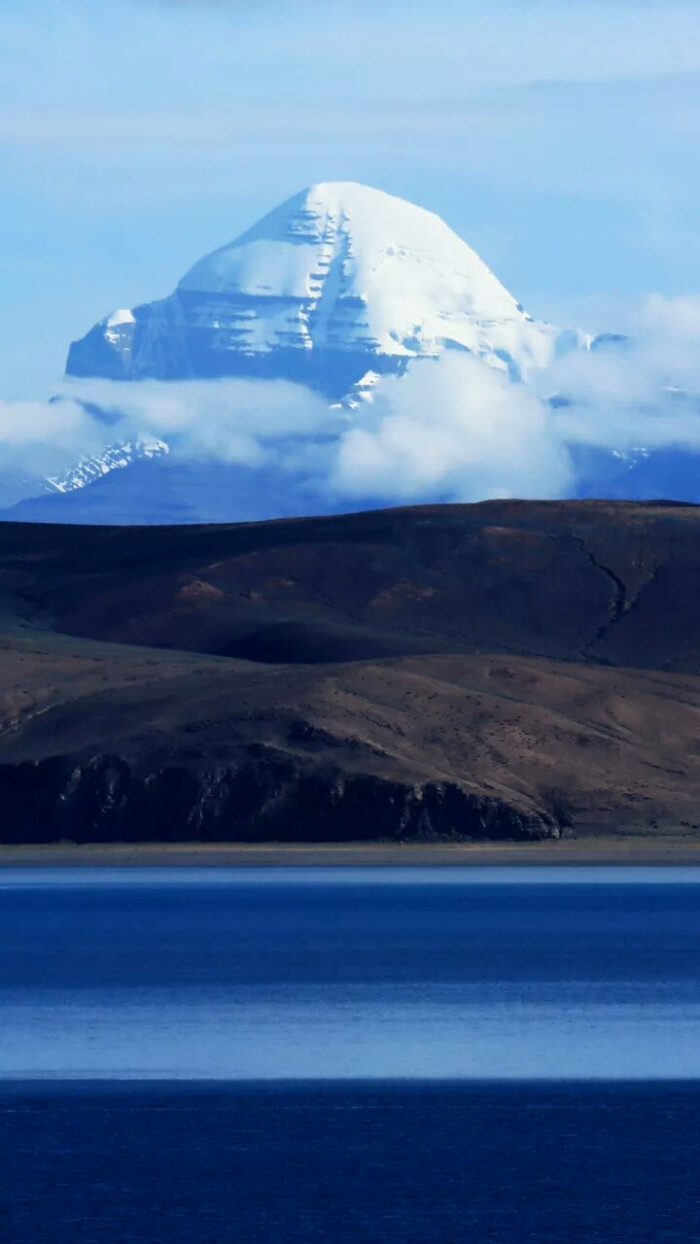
x=505, y=670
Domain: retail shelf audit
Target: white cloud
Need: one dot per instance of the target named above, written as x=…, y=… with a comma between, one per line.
x=452, y=429
x=238, y=420
x=39, y=437
x=644, y=393
x=29, y=423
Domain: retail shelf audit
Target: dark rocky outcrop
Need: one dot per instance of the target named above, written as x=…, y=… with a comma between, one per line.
x=103, y=800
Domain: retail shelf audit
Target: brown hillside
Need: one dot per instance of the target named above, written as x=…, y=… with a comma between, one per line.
x=502, y=670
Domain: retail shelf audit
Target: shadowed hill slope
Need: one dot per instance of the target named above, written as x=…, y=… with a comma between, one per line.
x=505, y=670
x=612, y=582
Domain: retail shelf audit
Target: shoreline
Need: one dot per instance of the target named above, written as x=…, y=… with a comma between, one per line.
x=625, y=850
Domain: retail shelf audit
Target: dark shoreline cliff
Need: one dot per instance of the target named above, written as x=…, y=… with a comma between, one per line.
x=274, y=801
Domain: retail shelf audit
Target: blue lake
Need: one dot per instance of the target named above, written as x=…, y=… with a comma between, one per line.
x=201, y=1056
x=282, y=973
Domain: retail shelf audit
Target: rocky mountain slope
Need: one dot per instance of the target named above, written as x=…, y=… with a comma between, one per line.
x=501, y=671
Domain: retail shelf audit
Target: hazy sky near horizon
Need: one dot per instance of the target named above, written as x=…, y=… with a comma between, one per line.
x=560, y=138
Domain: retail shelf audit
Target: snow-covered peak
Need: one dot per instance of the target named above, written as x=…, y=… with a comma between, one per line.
x=374, y=238
x=368, y=266
x=338, y=281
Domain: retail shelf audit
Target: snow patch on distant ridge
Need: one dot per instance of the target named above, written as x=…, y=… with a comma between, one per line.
x=113, y=458
x=120, y=317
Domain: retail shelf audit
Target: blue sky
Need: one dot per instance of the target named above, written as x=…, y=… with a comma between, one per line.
x=560, y=138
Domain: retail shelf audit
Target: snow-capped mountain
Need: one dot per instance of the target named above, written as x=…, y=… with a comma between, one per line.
x=337, y=289
x=114, y=458
x=338, y=282
x=18, y=486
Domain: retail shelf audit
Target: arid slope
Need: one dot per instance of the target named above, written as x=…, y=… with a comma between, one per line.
x=508, y=670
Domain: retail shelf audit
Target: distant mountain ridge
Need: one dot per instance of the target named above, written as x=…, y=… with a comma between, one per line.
x=21, y=489
x=113, y=458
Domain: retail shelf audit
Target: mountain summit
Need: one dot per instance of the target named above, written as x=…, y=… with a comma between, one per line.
x=338, y=282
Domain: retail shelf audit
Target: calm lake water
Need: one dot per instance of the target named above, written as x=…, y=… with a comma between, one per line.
x=481, y=973
x=501, y=1055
